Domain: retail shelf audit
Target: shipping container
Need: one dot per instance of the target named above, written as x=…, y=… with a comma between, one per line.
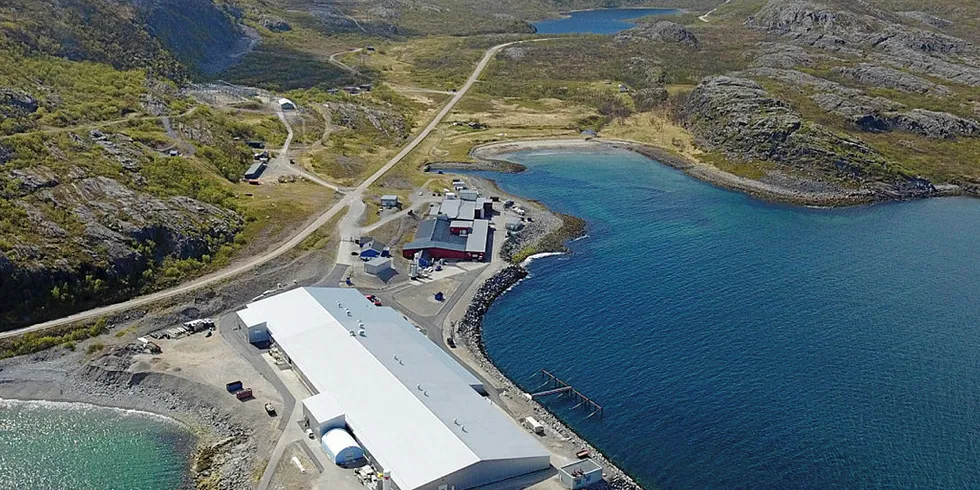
x=244, y=394
x=233, y=386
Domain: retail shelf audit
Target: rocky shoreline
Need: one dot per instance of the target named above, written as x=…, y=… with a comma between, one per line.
x=470, y=331
x=225, y=447
x=776, y=188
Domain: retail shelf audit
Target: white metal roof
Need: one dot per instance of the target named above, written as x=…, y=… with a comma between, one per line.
x=338, y=440
x=323, y=407
x=405, y=400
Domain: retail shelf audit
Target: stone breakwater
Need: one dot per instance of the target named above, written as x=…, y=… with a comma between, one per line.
x=470, y=331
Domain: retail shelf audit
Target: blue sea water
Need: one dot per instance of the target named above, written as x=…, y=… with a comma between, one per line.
x=600, y=21
x=740, y=344
x=60, y=446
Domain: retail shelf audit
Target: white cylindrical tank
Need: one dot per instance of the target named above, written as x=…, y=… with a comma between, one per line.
x=341, y=447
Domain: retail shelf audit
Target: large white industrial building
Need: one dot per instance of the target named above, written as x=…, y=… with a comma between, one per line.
x=416, y=411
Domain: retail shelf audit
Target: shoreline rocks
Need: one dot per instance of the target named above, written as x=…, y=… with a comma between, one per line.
x=470, y=331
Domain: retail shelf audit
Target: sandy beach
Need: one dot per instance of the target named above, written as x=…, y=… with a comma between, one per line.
x=775, y=187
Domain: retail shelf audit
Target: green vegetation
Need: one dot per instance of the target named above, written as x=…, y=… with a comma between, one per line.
x=570, y=229
x=35, y=342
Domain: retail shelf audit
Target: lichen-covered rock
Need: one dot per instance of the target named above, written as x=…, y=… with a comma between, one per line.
x=30, y=180
x=927, y=19
x=276, y=24
x=879, y=76
x=739, y=118
x=871, y=31
x=16, y=102
x=661, y=31
x=359, y=116
x=91, y=240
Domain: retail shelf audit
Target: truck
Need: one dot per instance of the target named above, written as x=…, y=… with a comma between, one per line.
x=533, y=425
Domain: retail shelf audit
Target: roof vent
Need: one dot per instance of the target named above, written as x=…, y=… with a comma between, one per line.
x=340, y=305
x=361, y=333
x=360, y=324
x=463, y=428
x=348, y=311
x=456, y=421
x=419, y=386
x=351, y=333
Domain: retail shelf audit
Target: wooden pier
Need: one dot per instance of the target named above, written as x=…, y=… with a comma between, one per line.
x=555, y=386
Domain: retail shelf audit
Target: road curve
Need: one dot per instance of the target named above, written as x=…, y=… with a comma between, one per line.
x=254, y=262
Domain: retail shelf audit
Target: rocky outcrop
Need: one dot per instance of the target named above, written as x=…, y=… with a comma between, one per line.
x=662, y=31
x=737, y=117
x=935, y=124
x=784, y=55
x=91, y=240
x=359, y=117
x=868, y=113
x=16, y=102
x=276, y=24
x=880, y=76
x=927, y=19
x=856, y=34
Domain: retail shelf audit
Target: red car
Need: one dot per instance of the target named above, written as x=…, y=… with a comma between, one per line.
x=374, y=299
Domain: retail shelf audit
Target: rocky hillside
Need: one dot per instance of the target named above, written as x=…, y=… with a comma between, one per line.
x=93, y=209
x=847, y=94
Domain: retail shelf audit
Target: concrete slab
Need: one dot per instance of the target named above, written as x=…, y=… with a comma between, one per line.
x=420, y=299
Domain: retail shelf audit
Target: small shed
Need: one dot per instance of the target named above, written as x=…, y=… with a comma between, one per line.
x=371, y=248
x=323, y=413
x=255, y=171
x=389, y=201
x=580, y=474
x=258, y=334
x=287, y=105
x=341, y=447
x=378, y=265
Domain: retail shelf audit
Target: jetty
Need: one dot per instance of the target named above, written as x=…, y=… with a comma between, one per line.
x=553, y=385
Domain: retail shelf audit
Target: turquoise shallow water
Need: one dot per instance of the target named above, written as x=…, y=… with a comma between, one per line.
x=51, y=445
x=601, y=21
x=739, y=344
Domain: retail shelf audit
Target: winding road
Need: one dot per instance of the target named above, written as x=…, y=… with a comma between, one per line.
x=352, y=199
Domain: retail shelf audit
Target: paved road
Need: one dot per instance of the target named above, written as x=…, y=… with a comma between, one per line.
x=253, y=262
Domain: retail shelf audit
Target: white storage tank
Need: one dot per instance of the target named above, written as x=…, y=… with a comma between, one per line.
x=341, y=447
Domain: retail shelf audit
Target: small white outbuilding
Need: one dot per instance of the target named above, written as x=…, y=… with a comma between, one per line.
x=323, y=413
x=341, y=447
x=378, y=265
x=287, y=105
